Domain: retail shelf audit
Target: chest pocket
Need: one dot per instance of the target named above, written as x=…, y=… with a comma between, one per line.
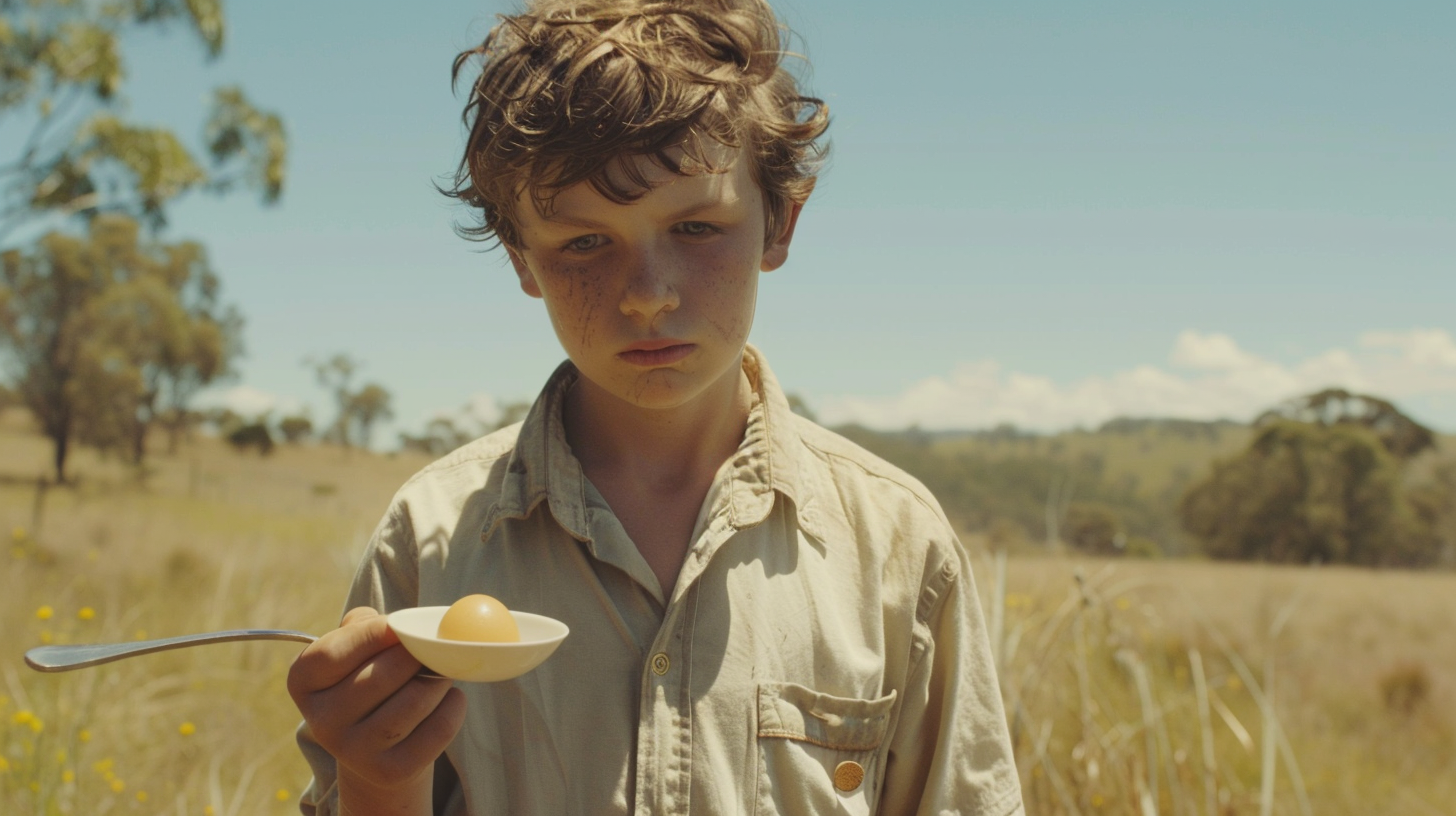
x=818, y=753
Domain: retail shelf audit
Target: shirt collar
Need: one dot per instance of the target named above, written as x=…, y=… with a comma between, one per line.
x=768, y=463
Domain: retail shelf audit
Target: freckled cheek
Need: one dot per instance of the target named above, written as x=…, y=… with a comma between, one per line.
x=728, y=297
x=574, y=298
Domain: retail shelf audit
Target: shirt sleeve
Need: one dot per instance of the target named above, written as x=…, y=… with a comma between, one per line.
x=950, y=752
x=387, y=579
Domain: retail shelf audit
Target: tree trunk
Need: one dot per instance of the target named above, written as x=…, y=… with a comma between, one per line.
x=63, y=443
x=138, y=442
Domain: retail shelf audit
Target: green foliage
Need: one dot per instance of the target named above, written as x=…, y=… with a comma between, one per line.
x=109, y=335
x=1303, y=492
x=1400, y=434
x=295, y=428
x=1021, y=486
x=440, y=437
x=61, y=72
x=1094, y=529
x=254, y=435
x=368, y=406
x=358, y=411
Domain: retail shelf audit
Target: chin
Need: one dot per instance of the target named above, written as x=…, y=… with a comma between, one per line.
x=664, y=390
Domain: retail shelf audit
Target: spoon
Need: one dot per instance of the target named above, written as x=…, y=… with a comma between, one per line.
x=80, y=656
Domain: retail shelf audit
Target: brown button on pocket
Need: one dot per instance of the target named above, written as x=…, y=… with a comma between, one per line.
x=848, y=775
x=819, y=753
x=660, y=664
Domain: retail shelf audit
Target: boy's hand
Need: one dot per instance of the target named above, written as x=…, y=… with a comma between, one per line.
x=357, y=690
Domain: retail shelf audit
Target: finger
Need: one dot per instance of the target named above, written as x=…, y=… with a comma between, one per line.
x=357, y=614
x=340, y=653
x=396, y=717
x=377, y=680
x=433, y=734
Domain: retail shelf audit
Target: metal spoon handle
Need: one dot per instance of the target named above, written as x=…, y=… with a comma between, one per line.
x=79, y=656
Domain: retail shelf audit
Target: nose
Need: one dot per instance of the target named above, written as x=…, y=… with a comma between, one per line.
x=650, y=291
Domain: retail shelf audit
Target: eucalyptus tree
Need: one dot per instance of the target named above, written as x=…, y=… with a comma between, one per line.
x=109, y=334
x=63, y=75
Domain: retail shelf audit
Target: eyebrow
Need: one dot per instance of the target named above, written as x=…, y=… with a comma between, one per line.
x=587, y=223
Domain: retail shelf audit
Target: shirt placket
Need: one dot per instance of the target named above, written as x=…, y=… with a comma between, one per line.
x=665, y=729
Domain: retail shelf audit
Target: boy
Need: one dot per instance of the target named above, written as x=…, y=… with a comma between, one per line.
x=764, y=618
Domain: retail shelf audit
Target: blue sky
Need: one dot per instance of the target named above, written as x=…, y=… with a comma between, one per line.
x=1043, y=213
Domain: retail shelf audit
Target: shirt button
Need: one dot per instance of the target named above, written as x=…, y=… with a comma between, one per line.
x=848, y=776
x=660, y=664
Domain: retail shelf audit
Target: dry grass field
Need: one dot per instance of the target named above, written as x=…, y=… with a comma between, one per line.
x=1134, y=687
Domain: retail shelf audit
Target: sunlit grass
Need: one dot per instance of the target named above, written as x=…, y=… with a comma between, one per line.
x=1196, y=688
x=1134, y=687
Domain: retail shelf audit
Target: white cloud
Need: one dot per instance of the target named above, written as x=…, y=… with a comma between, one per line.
x=1209, y=352
x=246, y=401
x=1210, y=377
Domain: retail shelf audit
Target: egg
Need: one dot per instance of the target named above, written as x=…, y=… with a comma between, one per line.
x=479, y=619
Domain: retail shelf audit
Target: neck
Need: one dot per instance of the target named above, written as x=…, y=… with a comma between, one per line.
x=659, y=446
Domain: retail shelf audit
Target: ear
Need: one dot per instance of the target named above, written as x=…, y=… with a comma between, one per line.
x=523, y=273
x=778, y=251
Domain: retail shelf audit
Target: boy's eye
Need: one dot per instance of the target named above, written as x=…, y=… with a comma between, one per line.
x=585, y=243
x=697, y=229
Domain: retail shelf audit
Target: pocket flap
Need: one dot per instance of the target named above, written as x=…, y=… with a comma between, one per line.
x=792, y=711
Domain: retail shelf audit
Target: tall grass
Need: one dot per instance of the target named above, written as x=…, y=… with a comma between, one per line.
x=207, y=541
x=1132, y=688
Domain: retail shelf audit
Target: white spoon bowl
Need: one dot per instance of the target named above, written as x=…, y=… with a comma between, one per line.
x=476, y=662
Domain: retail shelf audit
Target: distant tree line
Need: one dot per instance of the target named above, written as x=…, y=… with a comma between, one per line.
x=1332, y=477
x=357, y=412
x=1324, y=480
x=444, y=434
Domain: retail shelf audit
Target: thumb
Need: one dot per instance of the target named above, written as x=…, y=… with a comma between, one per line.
x=357, y=615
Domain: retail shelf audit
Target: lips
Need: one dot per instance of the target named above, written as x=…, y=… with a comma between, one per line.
x=649, y=353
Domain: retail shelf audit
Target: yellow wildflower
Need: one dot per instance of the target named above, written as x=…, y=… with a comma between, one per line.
x=45, y=613
x=102, y=766
x=142, y=796
x=86, y=613
x=61, y=756
x=83, y=735
x=283, y=795
x=18, y=535
x=22, y=717
x=1123, y=603
x=187, y=729
x=46, y=636
x=140, y=634
x=117, y=786
x=68, y=776
x=209, y=811
x=4, y=764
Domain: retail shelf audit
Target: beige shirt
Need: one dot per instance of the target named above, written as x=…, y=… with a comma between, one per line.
x=825, y=622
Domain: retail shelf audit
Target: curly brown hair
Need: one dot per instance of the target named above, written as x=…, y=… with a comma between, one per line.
x=569, y=89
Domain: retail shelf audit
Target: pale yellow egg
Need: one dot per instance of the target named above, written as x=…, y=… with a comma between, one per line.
x=479, y=619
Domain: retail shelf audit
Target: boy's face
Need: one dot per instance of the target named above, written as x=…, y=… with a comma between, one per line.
x=653, y=300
